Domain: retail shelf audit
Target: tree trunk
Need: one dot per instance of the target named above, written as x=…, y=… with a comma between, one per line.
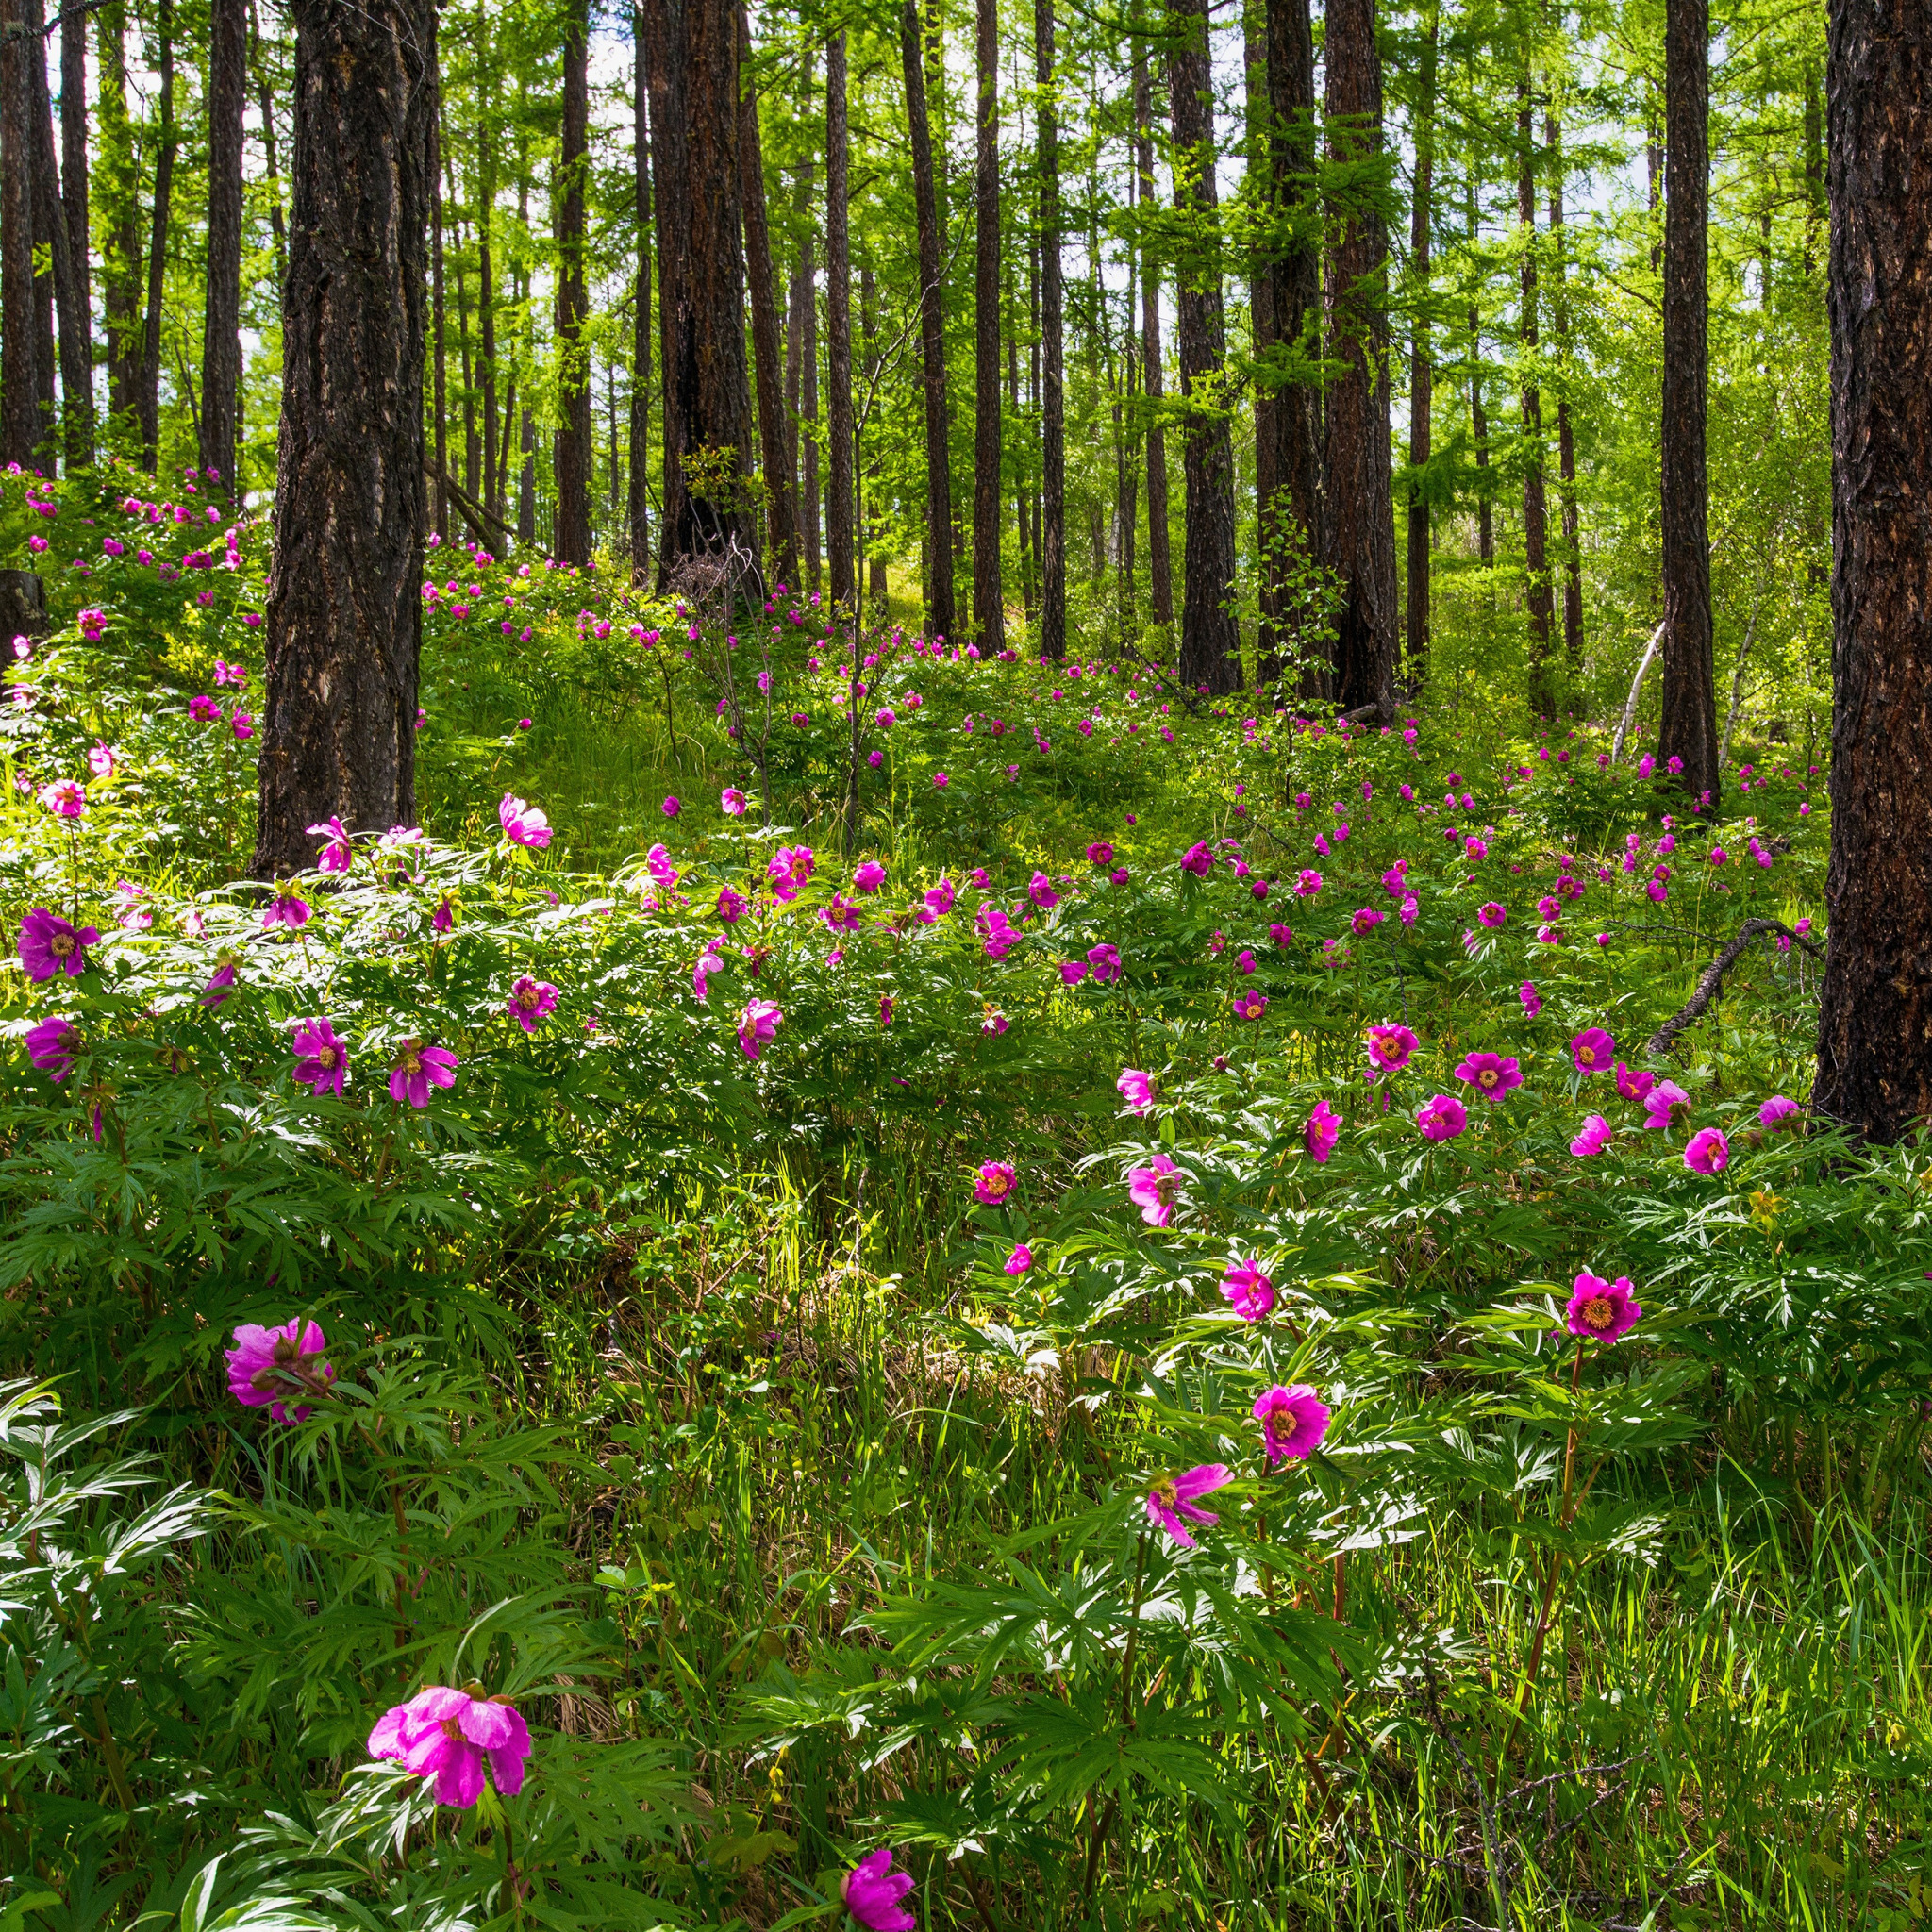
x=775, y=444
x=989, y=618
x=221, y=339
x=808, y=415
x=70, y=297
x=47, y=220
x=441, y=357
x=638, y=509
x=1689, y=728
x=1566, y=435
x=1053, y=421
x=121, y=258
x=148, y=402
x=1875, y=1026
x=841, y=547
x=940, y=617
x=79, y=390
x=1421, y=374
x=345, y=584
x=1265, y=330
x=573, y=458
x=20, y=386
x=1159, y=561
x=1361, y=511
x=1478, y=416
x=485, y=315
x=1211, y=653
x=277, y=230
x=1535, y=505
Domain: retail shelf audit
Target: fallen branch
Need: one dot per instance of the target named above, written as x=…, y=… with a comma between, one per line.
x=478, y=518
x=1711, y=982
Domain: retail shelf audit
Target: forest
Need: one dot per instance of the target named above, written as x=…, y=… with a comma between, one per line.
x=965, y=965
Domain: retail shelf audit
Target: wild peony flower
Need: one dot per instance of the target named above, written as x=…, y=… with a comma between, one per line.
x=1492, y=914
x=1249, y=1291
x=671, y=807
x=1073, y=971
x=994, y=1182
x=1708, y=1151
x=1632, y=1084
x=1020, y=1260
x=1136, y=1089
x=1106, y=962
x=733, y=801
x=287, y=909
x=1151, y=1190
x=276, y=1368
x=841, y=915
x=1293, y=1422
x=756, y=1024
x=870, y=876
x=709, y=962
x=1039, y=889
x=447, y=1734
x=1323, y=1130
x=872, y=1892
x=658, y=863
x=335, y=856
x=1593, y=1051
x=791, y=868
x=1250, y=1004
x=1307, y=884
x=1173, y=1497
x=202, y=709
x=1660, y=1100
x=1100, y=852
x=522, y=824
x=48, y=945
x=1198, y=859
x=1390, y=1047
x=1443, y=1118
x=65, y=798
x=322, y=1061
x=1532, y=1000
x=938, y=899
x=1365, y=919
x=1602, y=1311
x=1492, y=1075
x=102, y=760
x=1595, y=1136
x=530, y=1000
x=731, y=906
x=51, y=1045
x=418, y=1068
x=1778, y=1110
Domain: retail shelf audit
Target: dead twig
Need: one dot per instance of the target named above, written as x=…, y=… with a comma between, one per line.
x=1711, y=982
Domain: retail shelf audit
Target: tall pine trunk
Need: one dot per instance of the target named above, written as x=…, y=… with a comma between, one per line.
x=221, y=339
x=1052, y=421
x=20, y=386
x=1265, y=330
x=438, y=347
x=1210, y=641
x=1535, y=505
x=775, y=442
x=1479, y=414
x=989, y=622
x=1689, y=729
x=120, y=219
x=938, y=544
x=1421, y=370
x=1566, y=433
x=73, y=196
x=840, y=537
x=1874, y=1024
x=573, y=458
x=346, y=581
x=148, y=402
x=70, y=294
x=1152, y=381
x=638, y=509
x=1360, y=507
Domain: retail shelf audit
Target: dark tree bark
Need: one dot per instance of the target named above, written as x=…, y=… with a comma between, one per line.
x=54, y=234
x=345, y=584
x=1566, y=434
x=1152, y=380
x=486, y=312
x=841, y=543
x=120, y=258
x=148, y=403
x=1211, y=653
x=20, y=386
x=1875, y=1026
x=1265, y=330
x=1689, y=729
x=808, y=417
x=989, y=616
x=1421, y=372
x=638, y=509
x=775, y=444
x=1535, y=503
x=44, y=193
x=1479, y=414
x=221, y=339
x=278, y=232
x=78, y=357
x=440, y=358
x=1052, y=421
x=939, y=613
x=1359, y=505
x=574, y=458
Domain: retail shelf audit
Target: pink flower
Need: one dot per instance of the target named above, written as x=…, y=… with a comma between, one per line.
x=1307, y=884
x=243, y=725
x=731, y=906
x=938, y=899
x=1602, y=1311
x=872, y=1892
x=1707, y=1151
x=335, y=856
x=1663, y=1096
x=1039, y=889
x=1593, y=1051
x=418, y=1068
x=1197, y=859
x=1390, y=1047
x=1596, y=1134
x=1020, y=1260
x=756, y=1026
x=50, y=1046
x=1293, y=1422
x=65, y=797
x=994, y=1182
x=523, y=824
x=791, y=868
x=447, y=1734
x=870, y=876
x=1632, y=1085
x=1492, y=914
x=841, y=915
x=1443, y=1118
x=102, y=760
x=49, y=946
x=671, y=807
x=1323, y=1130
x=1492, y=1075
x=1100, y=852
x=322, y=1061
x=732, y=799
x=285, y=909
x=1151, y=1190
x=1281, y=935
x=530, y=1000
x=1106, y=962
x=1173, y=1497
x=1365, y=919
x=1136, y=1089
x=711, y=962
x=1778, y=1110
x=203, y=708
x=1532, y=1000
x=1072, y=972
x=1249, y=1291
x=272, y=1368
x=443, y=918
x=1250, y=1004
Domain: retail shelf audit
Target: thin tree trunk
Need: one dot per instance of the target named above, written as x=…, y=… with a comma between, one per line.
x=1874, y=1024
x=1566, y=435
x=78, y=377
x=781, y=531
x=1478, y=415
x=1160, y=562
x=44, y=189
x=221, y=340
x=120, y=258
x=1360, y=511
x=485, y=315
x=344, y=601
x=1053, y=426
x=440, y=370
x=1689, y=728
x=572, y=460
x=149, y=401
x=989, y=622
x=1535, y=505
x=809, y=418
x=70, y=299
x=1265, y=330
x=277, y=229
x=638, y=509
x=20, y=386
x=939, y=610
x=1420, y=373
x=840, y=541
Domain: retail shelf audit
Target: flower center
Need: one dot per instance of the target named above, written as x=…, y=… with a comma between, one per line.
x=325, y=1059
x=412, y=1060
x=61, y=945
x=1488, y=1076
x=1167, y=1491
x=1598, y=1314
